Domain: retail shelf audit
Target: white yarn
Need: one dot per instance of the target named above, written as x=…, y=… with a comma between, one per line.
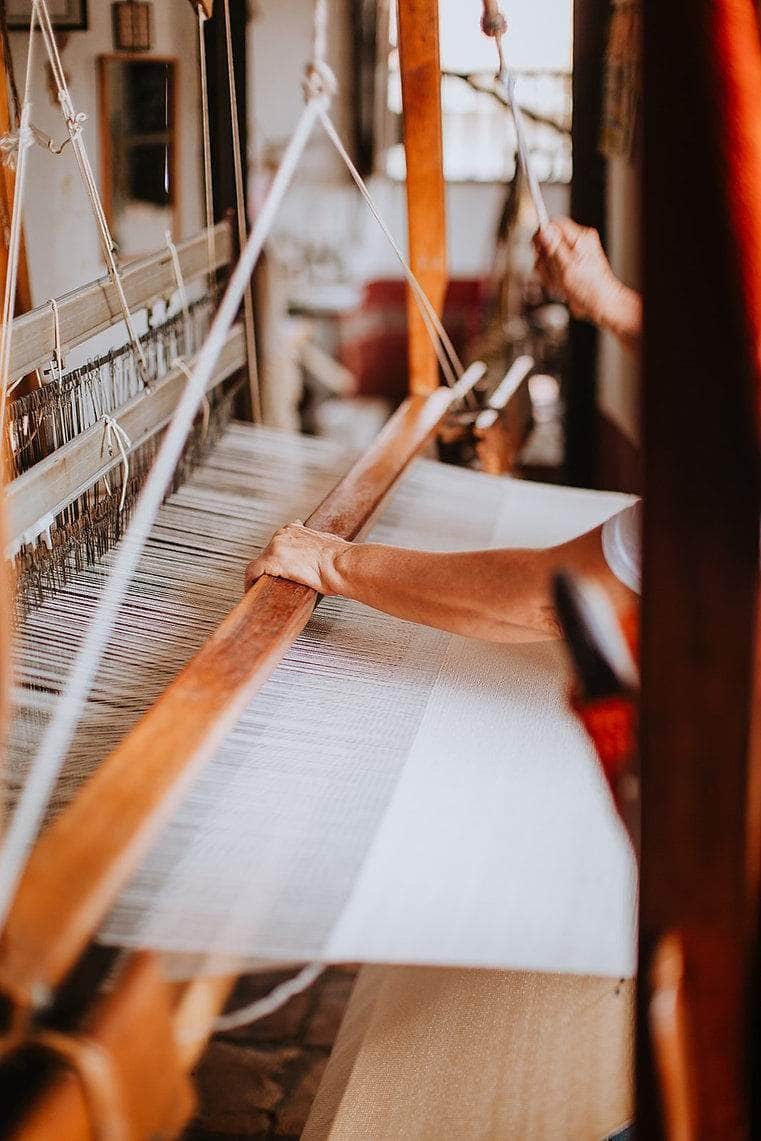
x=271, y=1002
x=115, y=432
x=448, y=359
x=75, y=121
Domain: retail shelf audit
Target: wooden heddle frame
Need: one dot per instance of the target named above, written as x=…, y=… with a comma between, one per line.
x=48, y=964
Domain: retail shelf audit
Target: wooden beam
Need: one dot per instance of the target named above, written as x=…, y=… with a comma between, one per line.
x=426, y=206
x=81, y=862
x=701, y=545
x=591, y=19
x=95, y=307
x=58, y=479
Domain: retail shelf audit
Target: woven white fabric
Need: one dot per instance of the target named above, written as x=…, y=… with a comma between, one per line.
x=393, y=793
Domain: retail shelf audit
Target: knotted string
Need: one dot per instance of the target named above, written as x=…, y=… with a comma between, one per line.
x=494, y=24
x=75, y=121
x=115, y=432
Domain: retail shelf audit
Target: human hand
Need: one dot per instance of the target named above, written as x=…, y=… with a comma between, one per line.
x=572, y=263
x=297, y=553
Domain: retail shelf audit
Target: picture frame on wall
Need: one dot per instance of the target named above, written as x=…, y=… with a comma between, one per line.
x=66, y=15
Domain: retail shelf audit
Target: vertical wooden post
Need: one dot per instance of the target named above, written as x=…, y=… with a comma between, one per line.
x=590, y=24
x=426, y=207
x=701, y=546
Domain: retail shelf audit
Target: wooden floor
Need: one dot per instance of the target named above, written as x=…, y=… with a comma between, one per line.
x=259, y=1082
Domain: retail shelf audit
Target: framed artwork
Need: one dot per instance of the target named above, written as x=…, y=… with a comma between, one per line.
x=66, y=15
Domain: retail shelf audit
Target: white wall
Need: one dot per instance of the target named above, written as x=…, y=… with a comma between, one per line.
x=61, y=238
x=323, y=208
x=619, y=383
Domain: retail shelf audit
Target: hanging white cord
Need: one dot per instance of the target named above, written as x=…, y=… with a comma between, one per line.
x=494, y=25
x=74, y=122
x=271, y=1002
x=447, y=356
x=14, y=242
x=179, y=281
x=114, y=431
x=506, y=82
x=240, y=209
x=208, y=185
x=180, y=364
x=57, y=739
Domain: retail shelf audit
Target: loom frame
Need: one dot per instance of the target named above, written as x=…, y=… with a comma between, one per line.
x=270, y=616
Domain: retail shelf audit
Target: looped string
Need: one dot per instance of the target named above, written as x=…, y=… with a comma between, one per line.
x=319, y=80
x=13, y=141
x=75, y=121
x=57, y=353
x=446, y=354
x=180, y=283
x=208, y=187
x=115, y=432
x=271, y=1002
x=494, y=24
x=179, y=363
x=94, y=1069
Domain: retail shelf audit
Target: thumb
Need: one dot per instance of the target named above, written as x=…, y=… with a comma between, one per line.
x=547, y=239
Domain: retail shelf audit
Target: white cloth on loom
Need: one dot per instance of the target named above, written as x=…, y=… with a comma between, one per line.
x=393, y=793
x=621, y=544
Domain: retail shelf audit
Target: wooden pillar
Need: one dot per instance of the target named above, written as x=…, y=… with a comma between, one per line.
x=426, y=207
x=701, y=540
x=590, y=24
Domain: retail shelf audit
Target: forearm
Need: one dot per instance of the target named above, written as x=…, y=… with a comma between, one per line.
x=494, y=595
x=621, y=314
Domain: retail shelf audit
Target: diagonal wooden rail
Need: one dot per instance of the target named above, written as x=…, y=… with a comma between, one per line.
x=84, y=858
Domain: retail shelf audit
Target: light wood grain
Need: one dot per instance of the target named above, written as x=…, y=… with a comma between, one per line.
x=478, y=1055
x=95, y=307
x=426, y=208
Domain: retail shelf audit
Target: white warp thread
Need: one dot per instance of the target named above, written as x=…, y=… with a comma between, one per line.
x=392, y=793
x=271, y=1002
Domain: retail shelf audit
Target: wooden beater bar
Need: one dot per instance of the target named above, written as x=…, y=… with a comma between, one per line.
x=426, y=206
x=78, y=867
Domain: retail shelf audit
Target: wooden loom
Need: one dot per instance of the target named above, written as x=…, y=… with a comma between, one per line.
x=69, y=885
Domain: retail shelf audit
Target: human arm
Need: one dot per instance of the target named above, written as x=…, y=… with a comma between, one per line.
x=495, y=595
x=572, y=263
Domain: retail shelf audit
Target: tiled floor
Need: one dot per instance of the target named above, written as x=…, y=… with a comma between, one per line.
x=259, y=1082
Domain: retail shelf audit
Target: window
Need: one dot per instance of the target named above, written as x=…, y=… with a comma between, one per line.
x=478, y=133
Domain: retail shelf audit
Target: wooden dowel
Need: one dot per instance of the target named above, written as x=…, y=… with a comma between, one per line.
x=84, y=858
x=426, y=208
x=95, y=307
